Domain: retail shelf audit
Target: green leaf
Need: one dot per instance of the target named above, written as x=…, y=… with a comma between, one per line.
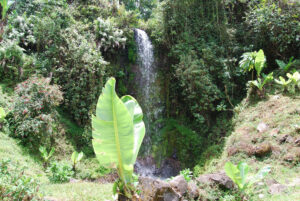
x=259, y=62
x=74, y=157
x=281, y=64
x=5, y=6
x=118, y=131
x=138, y=124
x=243, y=168
x=233, y=173
x=260, y=175
x=2, y=114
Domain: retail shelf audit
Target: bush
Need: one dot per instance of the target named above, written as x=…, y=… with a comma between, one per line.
x=11, y=59
x=108, y=35
x=14, y=185
x=33, y=118
x=275, y=26
x=60, y=173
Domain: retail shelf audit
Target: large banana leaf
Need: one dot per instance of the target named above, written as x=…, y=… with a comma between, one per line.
x=118, y=130
x=260, y=61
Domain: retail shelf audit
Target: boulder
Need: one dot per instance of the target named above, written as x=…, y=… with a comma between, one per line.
x=157, y=190
x=193, y=191
x=220, y=179
x=179, y=184
x=154, y=189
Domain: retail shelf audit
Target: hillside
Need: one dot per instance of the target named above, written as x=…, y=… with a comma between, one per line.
x=266, y=133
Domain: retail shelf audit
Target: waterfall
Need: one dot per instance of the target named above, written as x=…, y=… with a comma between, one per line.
x=149, y=91
x=148, y=86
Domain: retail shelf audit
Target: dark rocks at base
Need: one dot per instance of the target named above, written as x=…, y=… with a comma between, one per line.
x=158, y=190
x=220, y=179
x=147, y=167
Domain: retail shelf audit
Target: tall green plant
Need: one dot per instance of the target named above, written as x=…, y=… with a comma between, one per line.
x=118, y=132
x=239, y=175
x=5, y=6
x=76, y=157
x=45, y=155
x=253, y=60
x=2, y=114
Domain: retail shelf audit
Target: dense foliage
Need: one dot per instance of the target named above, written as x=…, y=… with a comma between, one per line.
x=33, y=116
x=208, y=54
x=15, y=185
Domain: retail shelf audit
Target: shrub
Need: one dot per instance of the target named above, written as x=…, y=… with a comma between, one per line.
x=79, y=71
x=199, y=90
x=11, y=59
x=33, y=116
x=187, y=174
x=274, y=26
x=108, y=35
x=15, y=185
x=60, y=173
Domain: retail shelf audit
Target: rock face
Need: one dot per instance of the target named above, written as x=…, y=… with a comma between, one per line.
x=175, y=190
x=220, y=179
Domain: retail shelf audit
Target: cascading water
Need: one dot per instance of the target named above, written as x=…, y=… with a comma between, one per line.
x=149, y=91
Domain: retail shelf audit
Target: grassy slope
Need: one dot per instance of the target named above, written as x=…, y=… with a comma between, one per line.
x=88, y=191
x=282, y=116
x=20, y=156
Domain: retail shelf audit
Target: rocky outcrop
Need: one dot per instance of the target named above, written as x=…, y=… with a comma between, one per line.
x=220, y=179
x=175, y=190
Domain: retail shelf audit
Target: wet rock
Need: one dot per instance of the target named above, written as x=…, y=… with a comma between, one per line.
x=220, y=179
x=157, y=190
x=146, y=167
x=263, y=149
x=193, y=191
x=276, y=188
x=179, y=184
x=169, y=168
x=262, y=127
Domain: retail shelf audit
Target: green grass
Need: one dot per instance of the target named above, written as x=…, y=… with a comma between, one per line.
x=9, y=149
x=83, y=191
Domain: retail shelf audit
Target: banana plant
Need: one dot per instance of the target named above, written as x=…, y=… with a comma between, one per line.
x=253, y=60
x=239, y=174
x=2, y=115
x=295, y=77
x=76, y=157
x=285, y=66
x=45, y=155
x=260, y=83
x=118, y=132
x=283, y=83
x=5, y=6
